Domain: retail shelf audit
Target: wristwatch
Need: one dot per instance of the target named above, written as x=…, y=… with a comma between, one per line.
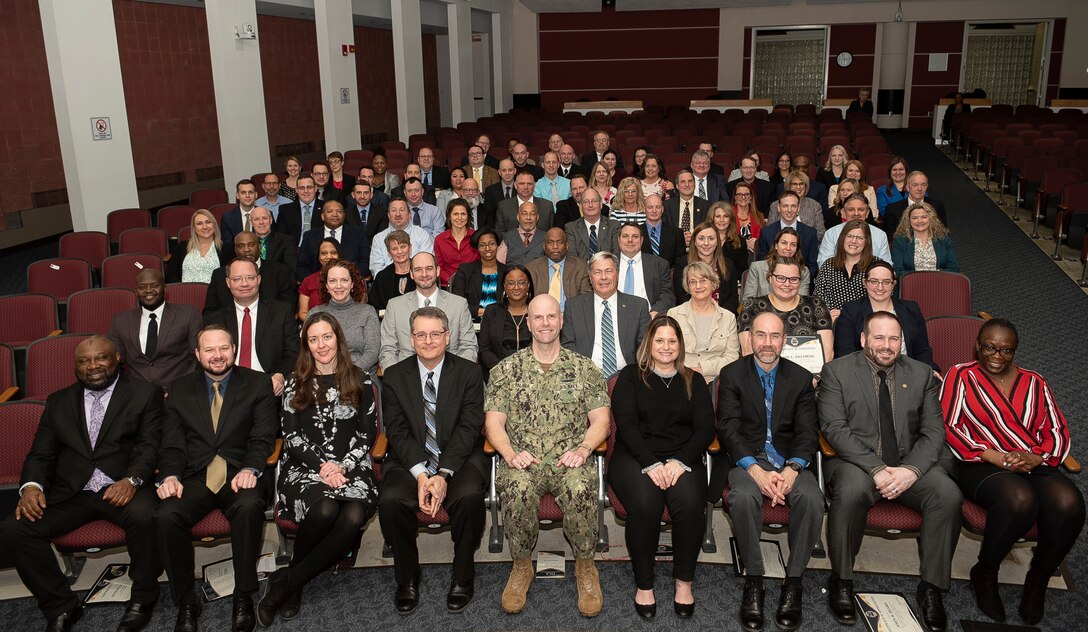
x=446, y=476
x=795, y=466
x=135, y=480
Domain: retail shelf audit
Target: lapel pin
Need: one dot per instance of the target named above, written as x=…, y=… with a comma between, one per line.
x=904, y=386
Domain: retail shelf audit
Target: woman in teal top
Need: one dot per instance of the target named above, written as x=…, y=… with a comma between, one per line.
x=922, y=242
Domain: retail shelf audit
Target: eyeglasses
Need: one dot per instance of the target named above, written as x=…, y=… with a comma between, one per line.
x=630, y=190
x=855, y=238
x=880, y=282
x=742, y=195
x=249, y=278
x=1006, y=352
x=424, y=335
x=518, y=283
x=786, y=280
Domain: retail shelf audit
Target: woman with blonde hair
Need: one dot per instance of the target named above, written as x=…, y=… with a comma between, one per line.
x=733, y=247
x=922, y=242
x=293, y=167
x=630, y=204
x=600, y=179
x=706, y=246
x=195, y=259
x=811, y=213
x=855, y=170
x=834, y=169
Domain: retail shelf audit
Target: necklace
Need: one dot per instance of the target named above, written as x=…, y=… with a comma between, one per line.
x=661, y=376
x=517, y=329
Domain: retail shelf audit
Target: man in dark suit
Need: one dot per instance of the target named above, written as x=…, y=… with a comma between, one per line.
x=520, y=155
x=430, y=174
x=768, y=426
x=238, y=218
x=363, y=212
x=297, y=216
x=573, y=273
x=567, y=167
x=707, y=148
x=507, y=217
x=326, y=192
x=277, y=281
x=917, y=186
x=477, y=169
x=433, y=405
x=594, y=232
x=644, y=274
x=660, y=237
x=762, y=190
x=686, y=205
x=605, y=326
x=601, y=142
x=427, y=195
x=266, y=330
x=92, y=458
x=219, y=426
x=156, y=340
x=366, y=174
x=483, y=141
x=332, y=225
x=886, y=447
x=501, y=190
x=789, y=207
x=709, y=185
x=273, y=246
x=570, y=209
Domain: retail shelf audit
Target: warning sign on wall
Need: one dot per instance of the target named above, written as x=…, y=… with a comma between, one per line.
x=100, y=128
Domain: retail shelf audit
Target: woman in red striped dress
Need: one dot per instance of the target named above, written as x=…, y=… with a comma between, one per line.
x=1003, y=423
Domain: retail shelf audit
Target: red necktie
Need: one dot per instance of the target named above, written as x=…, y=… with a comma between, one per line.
x=247, y=341
x=527, y=239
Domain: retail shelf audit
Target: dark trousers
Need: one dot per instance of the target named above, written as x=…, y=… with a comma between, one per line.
x=645, y=503
x=464, y=502
x=29, y=545
x=174, y=531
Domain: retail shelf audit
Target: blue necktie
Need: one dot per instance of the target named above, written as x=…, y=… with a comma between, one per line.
x=415, y=217
x=608, y=342
x=629, y=278
x=768, y=394
x=592, y=240
x=655, y=240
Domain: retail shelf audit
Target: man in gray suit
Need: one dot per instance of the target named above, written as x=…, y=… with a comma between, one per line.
x=605, y=326
x=506, y=219
x=396, y=331
x=524, y=242
x=644, y=274
x=592, y=233
x=881, y=414
x=572, y=272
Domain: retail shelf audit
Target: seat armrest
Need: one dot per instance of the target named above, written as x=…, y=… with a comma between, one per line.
x=825, y=447
x=489, y=449
x=601, y=449
x=9, y=393
x=714, y=447
x=380, y=448
x=984, y=315
x=55, y=332
x=1071, y=464
x=273, y=458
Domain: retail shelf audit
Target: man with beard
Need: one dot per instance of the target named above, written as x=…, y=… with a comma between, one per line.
x=396, y=330
x=880, y=412
x=767, y=424
x=219, y=426
x=470, y=191
x=156, y=339
x=93, y=458
x=277, y=281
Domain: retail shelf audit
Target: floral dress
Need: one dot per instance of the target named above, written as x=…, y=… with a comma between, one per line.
x=326, y=431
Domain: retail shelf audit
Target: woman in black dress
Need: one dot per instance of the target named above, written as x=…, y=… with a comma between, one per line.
x=326, y=480
x=504, y=328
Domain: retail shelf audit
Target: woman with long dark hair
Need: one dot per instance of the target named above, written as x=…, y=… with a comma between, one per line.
x=504, y=329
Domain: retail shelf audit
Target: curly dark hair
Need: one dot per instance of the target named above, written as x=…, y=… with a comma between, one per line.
x=358, y=285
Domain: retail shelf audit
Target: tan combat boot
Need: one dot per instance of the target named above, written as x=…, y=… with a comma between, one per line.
x=517, y=587
x=590, y=600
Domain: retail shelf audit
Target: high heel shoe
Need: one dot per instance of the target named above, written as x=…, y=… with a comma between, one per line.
x=646, y=611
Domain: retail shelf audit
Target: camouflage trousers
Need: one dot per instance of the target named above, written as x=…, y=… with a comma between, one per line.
x=575, y=492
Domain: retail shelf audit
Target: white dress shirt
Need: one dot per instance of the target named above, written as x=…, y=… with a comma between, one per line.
x=640, y=278
x=145, y=321
x=239, y=313
x=598, y=314
x=421, y=467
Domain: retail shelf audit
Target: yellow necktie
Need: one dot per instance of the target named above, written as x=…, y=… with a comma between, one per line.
x=555, y=286
x=217, y=469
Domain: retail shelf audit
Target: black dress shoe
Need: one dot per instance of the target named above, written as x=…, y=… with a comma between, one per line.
x=646, y=611
x=932, y=606
x=751, y=604
x=136, y=617
x=1033, y=599
x=64, y=621
x=683, y=610
x=459, y=596
x=788, y=616
x=406, y=598
x=291, y=606
x=840, y=600
x=274, y=596
x=987, y=598
x=188, y=617
x=245, y=620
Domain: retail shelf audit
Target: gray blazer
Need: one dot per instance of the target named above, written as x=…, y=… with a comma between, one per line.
x=517, y=253
x=506, y=218
x=850, y=417
x=608, y=237
x=580, y=327
x=657, y=275
x=396, y=334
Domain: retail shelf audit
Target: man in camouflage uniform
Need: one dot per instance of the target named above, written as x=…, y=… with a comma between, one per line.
x=537, y=405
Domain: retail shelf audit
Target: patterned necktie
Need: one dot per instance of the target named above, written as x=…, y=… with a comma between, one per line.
x=608, y=342
x=555, y=193
x=592, y=240
x=247, y=226
x=152, y=336
x=655, y=240
x=430, y=402
x=416, y=220
x=363, y=213
x=629, y=278
x=426, y=302
x=307, y=216
x=264, y=247
x=98, y=478
x=528, y=237
x=555, y=285
x=216, y=475
x=245, y=352
x=768, y=394
x=507, y=197
x=332, y=233
x=889, y=446
x=685, y=218
x=702, y=188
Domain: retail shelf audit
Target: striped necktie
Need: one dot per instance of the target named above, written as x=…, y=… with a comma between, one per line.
x=430, y=402
x=655, y=240
x=592, y=240
x=608, y=342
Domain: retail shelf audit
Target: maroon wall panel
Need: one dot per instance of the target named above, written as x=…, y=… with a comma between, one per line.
x=29, y=146
x=860, y=41
x=590, y=55
x=928, y=87
x=377, y=82
x=292, y=86
x=167, y=73
x=432, y=105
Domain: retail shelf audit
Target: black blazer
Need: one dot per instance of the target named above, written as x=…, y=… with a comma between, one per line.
x=275, y=333
x=290, y=220
x=894, y=212
x=468, y=283
x=329, y=192
x=277, y=283
x=566, y=211
x=351, y=240
x=248, y=424
x=742, y=415
x=377, y=219
x=492, y=196
x=280, y=249
x=491, y=326
x=440, y=178
x=459, y=415
x=672, y=243
x=61, y=459
x=699, y=208
x=575, y=169
x=851, y=320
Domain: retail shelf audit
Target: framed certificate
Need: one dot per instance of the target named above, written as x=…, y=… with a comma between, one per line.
x=887, y=612
x=808, y=351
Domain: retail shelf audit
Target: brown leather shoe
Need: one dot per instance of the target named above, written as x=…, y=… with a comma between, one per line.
x=517, y=587
x=590, y=600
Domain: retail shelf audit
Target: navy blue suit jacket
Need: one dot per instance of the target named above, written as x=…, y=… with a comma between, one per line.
x=352, y=246
x=810, y=245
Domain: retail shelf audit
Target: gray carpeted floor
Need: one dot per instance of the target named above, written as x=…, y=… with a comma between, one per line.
x=1010, y=277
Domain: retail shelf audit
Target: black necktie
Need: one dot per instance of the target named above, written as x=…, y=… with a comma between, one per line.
x=507, y=193
x=152, y=336
x=363, y=212
x=889, y=447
